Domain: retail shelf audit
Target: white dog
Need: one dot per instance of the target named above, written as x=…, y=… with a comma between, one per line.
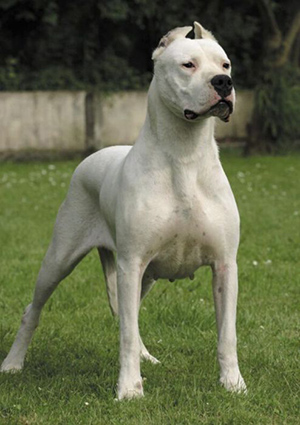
x=164, y=206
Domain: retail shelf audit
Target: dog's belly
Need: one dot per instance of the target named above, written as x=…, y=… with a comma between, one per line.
x=181, y=256
x=176, y=264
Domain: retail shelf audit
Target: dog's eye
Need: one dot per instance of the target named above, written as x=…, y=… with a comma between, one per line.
x=188, y=65
x=226, y=65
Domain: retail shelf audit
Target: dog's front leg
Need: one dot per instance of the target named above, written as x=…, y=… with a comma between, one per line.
x=129, y=292
x=225, y=288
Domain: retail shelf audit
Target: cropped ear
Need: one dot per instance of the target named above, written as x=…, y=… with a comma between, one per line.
x=167, y=39
x=201, y=32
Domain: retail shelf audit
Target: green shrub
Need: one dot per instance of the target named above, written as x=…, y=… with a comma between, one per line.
x=277, y=102
x=9, y=76
x=52, y=78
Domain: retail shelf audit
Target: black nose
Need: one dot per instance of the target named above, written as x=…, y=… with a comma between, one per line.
x=222, y=84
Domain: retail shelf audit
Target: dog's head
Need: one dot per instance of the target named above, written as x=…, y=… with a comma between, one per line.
x=193, y=76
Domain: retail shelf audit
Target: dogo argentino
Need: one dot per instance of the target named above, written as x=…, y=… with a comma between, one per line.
x=164, y=206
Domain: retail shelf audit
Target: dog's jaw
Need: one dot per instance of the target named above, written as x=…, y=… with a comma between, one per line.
x=222, y=109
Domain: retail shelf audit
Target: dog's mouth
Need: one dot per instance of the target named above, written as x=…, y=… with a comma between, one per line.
x=222, y=110
x=190, y=115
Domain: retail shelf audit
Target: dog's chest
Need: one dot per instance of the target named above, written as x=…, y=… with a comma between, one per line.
x=194, y=227
x=186, y=241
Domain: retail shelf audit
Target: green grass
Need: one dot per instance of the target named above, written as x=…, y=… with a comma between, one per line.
x=72, y=363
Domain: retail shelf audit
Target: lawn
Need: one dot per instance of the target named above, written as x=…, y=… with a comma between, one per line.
x=72, y=364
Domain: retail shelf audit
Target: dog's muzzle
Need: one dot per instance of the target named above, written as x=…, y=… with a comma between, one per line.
x=223, y=85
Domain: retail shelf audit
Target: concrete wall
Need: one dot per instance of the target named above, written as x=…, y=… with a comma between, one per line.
x=119, y=118
x=42, y=121
x=75, y=121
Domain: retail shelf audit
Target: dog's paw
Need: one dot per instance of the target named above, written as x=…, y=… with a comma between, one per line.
x=126, y=392
x=234, y=383
x=147, y=357
x=10, y=367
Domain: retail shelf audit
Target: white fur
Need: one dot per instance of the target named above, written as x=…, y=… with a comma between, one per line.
x=164, y=206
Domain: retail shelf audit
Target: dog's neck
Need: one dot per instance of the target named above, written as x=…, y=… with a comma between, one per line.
x=174, y=136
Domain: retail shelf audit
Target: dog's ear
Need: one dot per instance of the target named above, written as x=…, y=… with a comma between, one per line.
x=167, y=39
x=201, y=32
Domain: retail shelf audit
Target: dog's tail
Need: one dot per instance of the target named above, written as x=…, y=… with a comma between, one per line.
x=110, y=273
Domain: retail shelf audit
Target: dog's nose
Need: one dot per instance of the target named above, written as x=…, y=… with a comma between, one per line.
x=222, y=84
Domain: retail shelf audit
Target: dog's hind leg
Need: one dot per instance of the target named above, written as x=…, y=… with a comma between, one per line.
x=73, y=238
x=110, y=274
x=147, y=284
